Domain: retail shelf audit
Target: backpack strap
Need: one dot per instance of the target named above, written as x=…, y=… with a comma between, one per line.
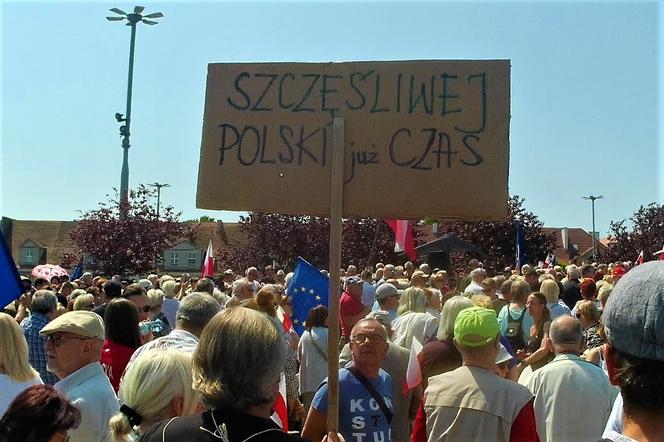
x=372, y=391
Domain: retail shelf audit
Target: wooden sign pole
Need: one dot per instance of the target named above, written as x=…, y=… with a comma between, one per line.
x=336, y=210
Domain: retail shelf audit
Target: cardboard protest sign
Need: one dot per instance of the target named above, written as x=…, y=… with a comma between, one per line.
x=422, y=138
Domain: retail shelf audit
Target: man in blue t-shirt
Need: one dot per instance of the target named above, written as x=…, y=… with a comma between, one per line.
x=362, y=418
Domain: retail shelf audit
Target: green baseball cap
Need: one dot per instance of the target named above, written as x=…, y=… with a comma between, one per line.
x=476, y=326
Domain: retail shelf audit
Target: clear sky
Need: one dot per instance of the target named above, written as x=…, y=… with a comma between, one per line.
x=586, y=96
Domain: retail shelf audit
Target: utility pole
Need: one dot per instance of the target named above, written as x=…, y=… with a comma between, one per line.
x=592, y=199
x=158, y=186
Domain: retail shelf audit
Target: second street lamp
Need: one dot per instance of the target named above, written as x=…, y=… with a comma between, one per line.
x=132, y=19
x=592, y=199
x=158, y=186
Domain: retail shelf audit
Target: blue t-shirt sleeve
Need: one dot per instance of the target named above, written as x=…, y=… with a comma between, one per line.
x=319, y=402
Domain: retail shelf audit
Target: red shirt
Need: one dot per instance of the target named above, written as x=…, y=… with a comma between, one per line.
x=114, y=359
x=523, y=428
x=348, y=307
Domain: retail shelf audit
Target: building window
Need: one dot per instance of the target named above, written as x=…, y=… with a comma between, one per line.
x=174, y=259
x=191, y=259
x=28, y=256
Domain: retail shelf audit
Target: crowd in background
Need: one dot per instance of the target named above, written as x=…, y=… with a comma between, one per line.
x=154, y=359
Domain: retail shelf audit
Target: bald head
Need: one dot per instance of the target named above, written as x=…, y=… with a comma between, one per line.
x=566, y=335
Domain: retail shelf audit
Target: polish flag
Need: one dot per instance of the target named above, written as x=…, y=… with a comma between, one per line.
x=660, y=253
x=284, y=319
x=639, y=259
x=403, y=237
x=414, y=370
x=208, y=264
x=280, y=413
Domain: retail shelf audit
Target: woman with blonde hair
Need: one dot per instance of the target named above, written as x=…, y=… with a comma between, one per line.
x=16, y=374
x=84, y=301
x=412, y=320
x=156, y=386
x=550, y=289
x=441, y=355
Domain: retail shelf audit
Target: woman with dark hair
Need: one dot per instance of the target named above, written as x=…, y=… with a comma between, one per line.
x=39, y=414
x=312, y=354
x=537, y=354
x=122, y=338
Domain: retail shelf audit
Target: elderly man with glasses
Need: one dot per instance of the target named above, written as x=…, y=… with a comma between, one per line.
x=365, y=390
x=73, y=346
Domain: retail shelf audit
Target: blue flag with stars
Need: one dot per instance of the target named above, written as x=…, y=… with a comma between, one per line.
x=309, y=288
x=10, y=282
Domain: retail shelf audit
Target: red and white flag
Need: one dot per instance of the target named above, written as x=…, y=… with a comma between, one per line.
x=208, y=264
x=660, y=254
x=403, y=237
x=414, y=370
x=639, y=259
x=280, y=414
x=284, y=319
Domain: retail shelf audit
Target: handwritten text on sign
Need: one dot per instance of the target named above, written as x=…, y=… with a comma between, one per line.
x=429, y=133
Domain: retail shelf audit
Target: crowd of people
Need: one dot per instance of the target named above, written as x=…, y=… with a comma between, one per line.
x=528, y=354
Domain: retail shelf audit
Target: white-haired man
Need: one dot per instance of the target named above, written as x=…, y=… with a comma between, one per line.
x=475, y=287
x=242, y=289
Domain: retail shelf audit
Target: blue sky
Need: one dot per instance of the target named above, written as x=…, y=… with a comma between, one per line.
x=586, y=94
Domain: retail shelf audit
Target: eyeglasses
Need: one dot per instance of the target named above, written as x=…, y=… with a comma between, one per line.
x=361, y=338
x=144, y=309
x=56, y=340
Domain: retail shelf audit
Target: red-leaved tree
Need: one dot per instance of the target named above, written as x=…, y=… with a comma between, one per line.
x=498, y=238
x=129, y=244
x=282, y=238
x=646, y=233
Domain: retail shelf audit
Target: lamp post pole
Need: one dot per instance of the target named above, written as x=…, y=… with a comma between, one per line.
x=592, y=199
x=158, y=186
x=132, y=19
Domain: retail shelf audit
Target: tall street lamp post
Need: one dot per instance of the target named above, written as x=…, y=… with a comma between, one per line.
x=132, y=19
x=158, y=186
x=592, y=199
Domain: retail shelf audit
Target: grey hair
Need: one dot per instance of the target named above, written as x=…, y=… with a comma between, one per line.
x=197, y=309
x=44, y=301
x=476, y=272
x=238, y=360
x=566, y=330
x=573, y=271
x=76, y=293
x=155, y=297
x=239, y=284
x=451, y=309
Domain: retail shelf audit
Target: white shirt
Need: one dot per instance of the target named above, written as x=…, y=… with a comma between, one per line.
x=573, y=399
x=10, y=389
x=89, y=389
x=177, y=339
x=313, y=367
x=422, y=326
x=474, y=289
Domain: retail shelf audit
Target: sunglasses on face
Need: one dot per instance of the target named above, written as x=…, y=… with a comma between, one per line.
x=144, y=309
x=361, y=338
x=578, y=316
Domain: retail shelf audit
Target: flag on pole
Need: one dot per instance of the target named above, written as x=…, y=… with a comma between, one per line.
x=520, y=248
x=208, y=264
x=308, y=289
x=280, y=413
x=284, y=319
x=403, y=237
x=639, y=259
x=660, y=254
x=414, y=370
x=10, y=280
x=550, y=260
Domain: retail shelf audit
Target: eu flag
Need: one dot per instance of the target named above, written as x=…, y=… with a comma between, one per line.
x=308, y=289
x=78, y=270
x=10, y=282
